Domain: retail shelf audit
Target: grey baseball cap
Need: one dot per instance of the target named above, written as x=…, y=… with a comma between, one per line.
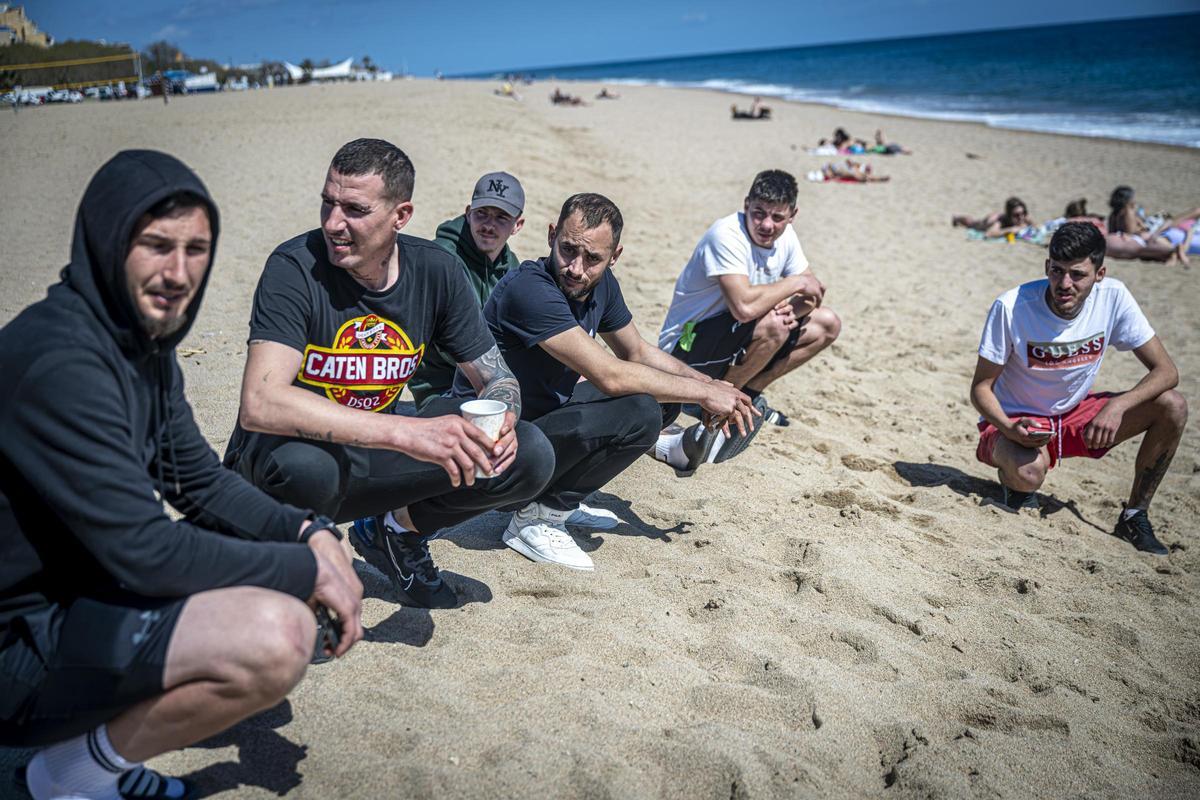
x=499, y=190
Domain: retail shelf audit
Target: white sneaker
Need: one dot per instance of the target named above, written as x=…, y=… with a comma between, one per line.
x=539, y=534
x=600, y=519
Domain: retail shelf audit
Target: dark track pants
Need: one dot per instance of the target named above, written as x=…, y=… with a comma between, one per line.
x=595, y=438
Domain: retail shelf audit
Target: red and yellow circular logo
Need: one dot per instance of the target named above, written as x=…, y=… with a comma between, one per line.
x=370, y=362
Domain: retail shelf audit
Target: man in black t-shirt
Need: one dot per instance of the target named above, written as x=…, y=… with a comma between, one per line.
x=544, y=316
x=342, y=318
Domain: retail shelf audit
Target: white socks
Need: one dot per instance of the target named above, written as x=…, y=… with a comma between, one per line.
x=669, y=448
x=83, y=768
x=1129, y=512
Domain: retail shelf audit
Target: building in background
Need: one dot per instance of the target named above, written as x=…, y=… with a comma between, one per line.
x=16, y=28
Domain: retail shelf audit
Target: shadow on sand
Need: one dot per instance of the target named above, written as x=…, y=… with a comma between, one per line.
x=266, y=759
x=928, y=475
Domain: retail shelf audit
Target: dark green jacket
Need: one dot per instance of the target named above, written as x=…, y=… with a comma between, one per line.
x=436, y=372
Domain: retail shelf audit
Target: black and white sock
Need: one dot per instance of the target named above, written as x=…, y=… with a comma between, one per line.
x=84, y=768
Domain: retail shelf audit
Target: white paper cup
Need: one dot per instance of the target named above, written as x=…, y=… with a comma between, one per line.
x=488, y=416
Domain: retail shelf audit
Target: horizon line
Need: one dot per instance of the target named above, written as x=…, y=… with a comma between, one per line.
x=686, y=56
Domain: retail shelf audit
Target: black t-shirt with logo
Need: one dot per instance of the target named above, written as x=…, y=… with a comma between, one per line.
x=526, y=308
x=360, y=346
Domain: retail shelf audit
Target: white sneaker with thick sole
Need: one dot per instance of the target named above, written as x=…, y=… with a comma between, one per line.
x=600, y=519
x=540, y=534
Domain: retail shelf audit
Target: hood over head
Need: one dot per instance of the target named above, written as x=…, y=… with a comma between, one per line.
x=124, y=189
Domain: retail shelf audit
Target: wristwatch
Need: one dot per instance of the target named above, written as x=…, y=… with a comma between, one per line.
x=318, y=524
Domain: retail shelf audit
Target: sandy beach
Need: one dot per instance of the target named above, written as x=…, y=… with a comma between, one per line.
x=840, y=612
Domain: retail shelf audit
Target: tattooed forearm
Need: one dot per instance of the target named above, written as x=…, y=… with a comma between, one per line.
x=314, y=436
x=493, y=380
x=1147, y=480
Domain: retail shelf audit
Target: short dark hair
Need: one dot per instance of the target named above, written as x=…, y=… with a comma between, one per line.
x=174, y=203
x=377, y=157
x=774, y=186
x=595, y=209
x=1120, y=197
x=1075, y=241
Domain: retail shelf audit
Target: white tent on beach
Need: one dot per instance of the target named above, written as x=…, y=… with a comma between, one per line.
x=342, y=71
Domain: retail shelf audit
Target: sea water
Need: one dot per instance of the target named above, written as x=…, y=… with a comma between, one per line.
x=1129, y=79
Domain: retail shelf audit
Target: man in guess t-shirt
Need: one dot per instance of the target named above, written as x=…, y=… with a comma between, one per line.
x=544, y=316
x=1041, y=350
x=342, y=318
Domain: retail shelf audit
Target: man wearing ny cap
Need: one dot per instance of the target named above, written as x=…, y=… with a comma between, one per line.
x=479, y=237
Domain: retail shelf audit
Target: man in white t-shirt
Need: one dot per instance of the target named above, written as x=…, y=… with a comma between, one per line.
x=1041, y=349
x=747, y=308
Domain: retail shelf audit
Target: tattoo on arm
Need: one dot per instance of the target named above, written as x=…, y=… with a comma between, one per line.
x=1146, y=482
x=498, y=382
x=314, y=436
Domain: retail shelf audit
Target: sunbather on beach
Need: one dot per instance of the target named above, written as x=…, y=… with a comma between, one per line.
x=560, y=98
x=1169, y=238
x=998, y=224
x=852, y=171
x=746, y=307
x=886, y=148
x=1040, y=352
x=756, y=111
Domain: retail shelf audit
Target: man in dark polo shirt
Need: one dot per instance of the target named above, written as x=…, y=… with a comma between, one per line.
x=544, y=316
x=479, y=237
x=342, y=317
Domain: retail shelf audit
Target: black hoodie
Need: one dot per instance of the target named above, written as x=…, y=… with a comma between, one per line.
x=93, y=420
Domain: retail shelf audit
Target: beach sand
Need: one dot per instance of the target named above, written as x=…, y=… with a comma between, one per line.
x=841, y=612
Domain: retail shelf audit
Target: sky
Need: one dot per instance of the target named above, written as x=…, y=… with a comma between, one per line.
x=466, y=36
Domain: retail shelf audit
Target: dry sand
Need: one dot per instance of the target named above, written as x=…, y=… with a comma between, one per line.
x=836, y=614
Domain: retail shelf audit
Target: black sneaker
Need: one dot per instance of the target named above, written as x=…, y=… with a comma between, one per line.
x=774, y=416
x=736, y=443
x=139, y=783
x=1138, y=531
x=405, y=559
x=1014, y=501
x=697, y=444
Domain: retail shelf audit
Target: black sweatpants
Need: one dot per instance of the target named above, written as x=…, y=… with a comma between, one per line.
x=346, y=483
x=595, y=438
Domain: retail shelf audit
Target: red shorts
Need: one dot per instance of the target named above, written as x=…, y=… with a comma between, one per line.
x=1068, y=431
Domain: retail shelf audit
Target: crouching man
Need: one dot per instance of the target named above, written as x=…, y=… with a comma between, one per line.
x=1040, y=352
x=123, y=633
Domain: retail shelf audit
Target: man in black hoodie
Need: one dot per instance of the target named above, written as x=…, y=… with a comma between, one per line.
x=125, y=634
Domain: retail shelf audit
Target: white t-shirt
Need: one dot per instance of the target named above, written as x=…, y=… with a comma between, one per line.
x=1049, y=362
x=726, y=249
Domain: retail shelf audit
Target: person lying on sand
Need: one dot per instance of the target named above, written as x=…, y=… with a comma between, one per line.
x=998, y=224
x=756, y=111
x=336, y=330
x=544, y=315
x=560, y=98
x=605, y=94
x=849, y=170
x=1039, y=355
x=1169, y=238
x=128, y=633
x=747, y=308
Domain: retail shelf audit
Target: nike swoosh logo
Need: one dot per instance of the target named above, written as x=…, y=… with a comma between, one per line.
x=408, y=579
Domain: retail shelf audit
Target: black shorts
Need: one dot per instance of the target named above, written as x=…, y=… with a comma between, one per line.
x=719, y=342
x=65, y=670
